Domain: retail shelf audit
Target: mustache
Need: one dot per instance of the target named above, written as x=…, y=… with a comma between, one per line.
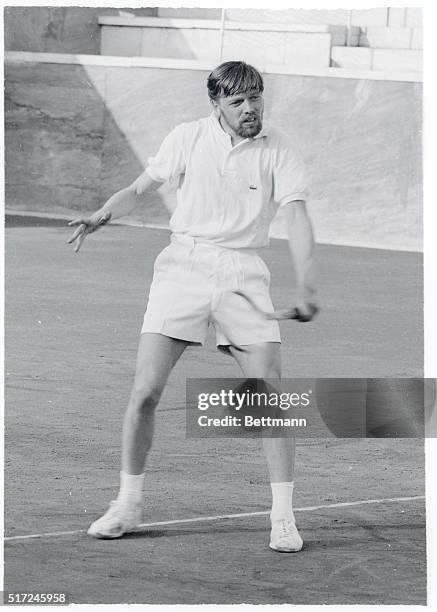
x=249, y=117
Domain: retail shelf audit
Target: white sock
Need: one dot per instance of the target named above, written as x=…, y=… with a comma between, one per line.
x=282, y=498
x=131, y=488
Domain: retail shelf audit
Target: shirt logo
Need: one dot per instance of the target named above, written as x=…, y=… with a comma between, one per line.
x=253, y=187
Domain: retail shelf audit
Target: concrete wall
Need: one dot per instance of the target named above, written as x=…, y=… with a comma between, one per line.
x=75, y=29
x=75, y=134
x=57, y=29
x=397, y=17
x=152, y=37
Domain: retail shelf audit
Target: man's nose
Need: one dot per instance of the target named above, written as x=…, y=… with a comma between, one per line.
x=248, y=106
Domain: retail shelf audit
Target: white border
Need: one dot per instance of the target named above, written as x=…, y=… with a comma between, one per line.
x=430, y=245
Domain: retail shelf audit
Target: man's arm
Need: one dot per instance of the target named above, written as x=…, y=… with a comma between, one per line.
x=118, y=205
x=302, y=250
x=126, y=200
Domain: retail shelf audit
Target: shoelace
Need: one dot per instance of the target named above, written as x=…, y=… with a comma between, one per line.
x=114, y=508
x=286, y=527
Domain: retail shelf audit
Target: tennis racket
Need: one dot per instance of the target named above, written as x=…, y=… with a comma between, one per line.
x=279, y=315
x=230, y=314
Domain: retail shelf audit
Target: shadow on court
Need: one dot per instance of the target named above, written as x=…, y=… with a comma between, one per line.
x=72, y=324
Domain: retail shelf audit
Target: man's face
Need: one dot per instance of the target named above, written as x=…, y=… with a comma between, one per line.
x=241, y=113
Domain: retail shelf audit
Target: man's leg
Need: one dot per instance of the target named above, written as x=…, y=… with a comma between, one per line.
x=264, y=361
x=157, y=355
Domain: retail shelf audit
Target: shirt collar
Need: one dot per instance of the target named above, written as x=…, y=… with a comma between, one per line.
x=263, y=133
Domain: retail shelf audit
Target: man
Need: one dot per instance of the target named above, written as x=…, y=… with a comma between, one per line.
x=232, y=176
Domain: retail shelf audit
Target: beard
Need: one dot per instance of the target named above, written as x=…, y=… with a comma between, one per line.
x=249, y=127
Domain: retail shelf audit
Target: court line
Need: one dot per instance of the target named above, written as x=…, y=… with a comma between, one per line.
x=218, y=517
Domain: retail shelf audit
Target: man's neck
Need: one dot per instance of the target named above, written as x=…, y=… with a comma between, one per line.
x=235, y=138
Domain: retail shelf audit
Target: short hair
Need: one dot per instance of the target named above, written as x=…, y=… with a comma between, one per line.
x=232, y=78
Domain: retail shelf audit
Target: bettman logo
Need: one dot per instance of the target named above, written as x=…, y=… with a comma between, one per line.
x=253, y=187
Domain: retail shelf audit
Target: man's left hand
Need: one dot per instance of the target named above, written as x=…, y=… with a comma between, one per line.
x=306, y=312
x=303, y=313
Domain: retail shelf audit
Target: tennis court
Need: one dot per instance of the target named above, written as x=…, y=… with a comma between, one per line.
x=72, y=324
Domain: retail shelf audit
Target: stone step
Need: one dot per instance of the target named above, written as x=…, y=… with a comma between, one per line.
x=345, y=17
x=301, y=46
x=338, y=32
x=366, y=58
x=393, y=17
x=403, y=17
x=295, y=46
x=189, y=13
x=359, y=58
x=391, y=38
x=408, y=60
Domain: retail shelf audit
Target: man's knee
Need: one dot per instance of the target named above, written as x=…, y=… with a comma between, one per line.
x=145, y=396
x=260, y=360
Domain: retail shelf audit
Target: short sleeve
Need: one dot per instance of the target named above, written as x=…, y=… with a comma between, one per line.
x=169, y=162
x=289, y=175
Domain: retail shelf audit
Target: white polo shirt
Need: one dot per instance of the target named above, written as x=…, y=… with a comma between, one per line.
x=228, y=195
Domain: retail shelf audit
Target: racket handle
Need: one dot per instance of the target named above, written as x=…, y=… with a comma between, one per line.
x=305, y=318
x=293, y=314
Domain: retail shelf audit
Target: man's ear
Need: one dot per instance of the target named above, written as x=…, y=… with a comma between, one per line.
x=216, y=108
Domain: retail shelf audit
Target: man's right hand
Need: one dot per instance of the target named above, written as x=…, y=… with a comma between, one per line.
x=87, y=225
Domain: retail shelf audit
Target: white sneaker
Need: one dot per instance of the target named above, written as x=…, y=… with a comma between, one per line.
x=285, y=537
x=117, y=520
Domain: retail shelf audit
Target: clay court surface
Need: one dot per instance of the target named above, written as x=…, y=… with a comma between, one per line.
x=72, y=324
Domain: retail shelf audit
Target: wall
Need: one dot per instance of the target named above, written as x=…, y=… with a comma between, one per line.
x=75, y=29
x=397, y=17
x=57, y=29
x=75, y=134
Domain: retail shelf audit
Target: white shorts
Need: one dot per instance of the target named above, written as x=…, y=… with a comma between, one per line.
x=191, y=290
